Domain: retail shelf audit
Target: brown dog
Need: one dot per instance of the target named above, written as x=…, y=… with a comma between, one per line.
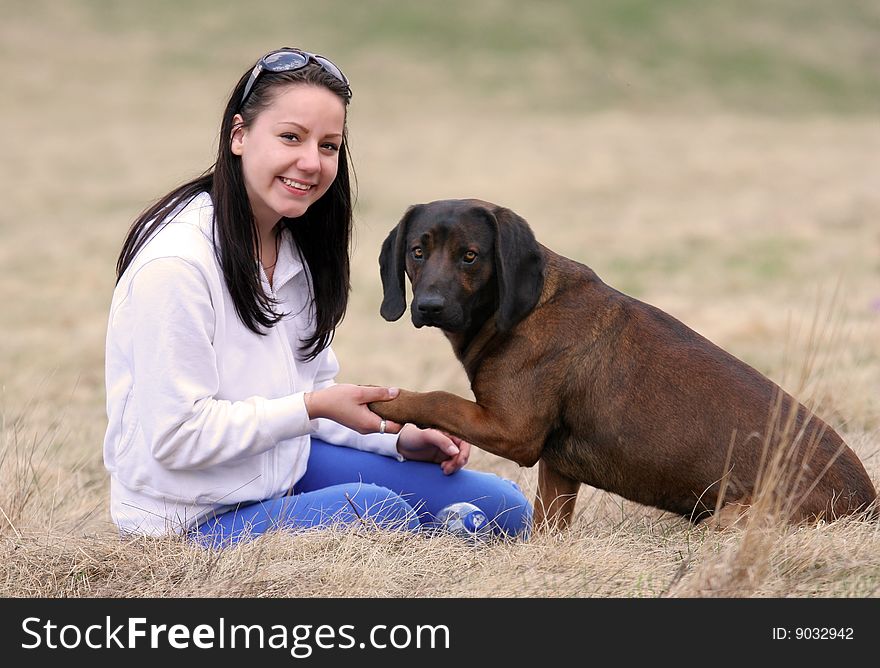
x=596, y=386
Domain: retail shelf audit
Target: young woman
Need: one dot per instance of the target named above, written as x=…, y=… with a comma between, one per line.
x=224, y=417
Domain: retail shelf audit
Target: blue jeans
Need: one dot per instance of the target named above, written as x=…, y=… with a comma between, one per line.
x=347, y=486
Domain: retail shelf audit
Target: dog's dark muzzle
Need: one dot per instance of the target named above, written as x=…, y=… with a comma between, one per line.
x=434, y=310
x=431, y=306
x=428, y=310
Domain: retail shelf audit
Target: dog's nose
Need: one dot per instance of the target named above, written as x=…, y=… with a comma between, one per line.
x=431, y=304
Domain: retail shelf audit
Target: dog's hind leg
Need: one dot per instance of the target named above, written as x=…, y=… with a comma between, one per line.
x=732, y=514
x=557, y=494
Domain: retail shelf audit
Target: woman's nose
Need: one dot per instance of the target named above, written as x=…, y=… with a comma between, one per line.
x=309, y=158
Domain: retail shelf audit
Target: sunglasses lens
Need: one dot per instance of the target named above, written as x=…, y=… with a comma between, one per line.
x=284, y=61
x=331, y=68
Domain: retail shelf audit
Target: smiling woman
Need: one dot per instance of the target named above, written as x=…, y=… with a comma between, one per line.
x=224, y=418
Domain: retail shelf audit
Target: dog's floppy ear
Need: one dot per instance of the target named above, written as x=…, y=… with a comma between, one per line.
x=519, y=268
x=392, y=265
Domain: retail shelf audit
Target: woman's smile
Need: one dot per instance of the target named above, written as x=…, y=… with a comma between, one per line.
x=297, y=188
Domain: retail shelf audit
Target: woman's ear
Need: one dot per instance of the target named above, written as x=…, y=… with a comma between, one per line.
x=236, y=140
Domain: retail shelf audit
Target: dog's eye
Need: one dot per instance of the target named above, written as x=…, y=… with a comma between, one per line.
x=418, y=253
x=469, y=257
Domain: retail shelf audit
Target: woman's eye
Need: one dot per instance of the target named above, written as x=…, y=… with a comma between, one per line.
x=418, y=253
x=469, y=257
x=333, y=148
x=289, y=136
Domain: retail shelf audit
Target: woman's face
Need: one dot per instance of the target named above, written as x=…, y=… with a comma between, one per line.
x=290, y=153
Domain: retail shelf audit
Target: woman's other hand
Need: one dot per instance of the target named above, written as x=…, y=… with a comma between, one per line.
x=431, y=445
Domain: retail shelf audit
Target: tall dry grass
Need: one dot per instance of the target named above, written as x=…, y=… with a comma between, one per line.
x=614, y=549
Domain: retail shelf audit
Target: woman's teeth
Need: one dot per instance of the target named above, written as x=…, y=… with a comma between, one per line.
x=295, y=184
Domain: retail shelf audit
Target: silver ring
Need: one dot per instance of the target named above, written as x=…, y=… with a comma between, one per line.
x=382, y=426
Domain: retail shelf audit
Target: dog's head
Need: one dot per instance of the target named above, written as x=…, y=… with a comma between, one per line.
x=467, y=260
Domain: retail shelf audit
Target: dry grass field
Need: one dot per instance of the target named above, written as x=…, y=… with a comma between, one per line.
x=718, y=160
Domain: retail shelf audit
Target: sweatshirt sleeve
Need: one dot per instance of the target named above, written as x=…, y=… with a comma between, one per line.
x=176, y=376
x=337, y=434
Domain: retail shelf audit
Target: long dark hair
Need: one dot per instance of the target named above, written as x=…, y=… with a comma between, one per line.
x=322, y=234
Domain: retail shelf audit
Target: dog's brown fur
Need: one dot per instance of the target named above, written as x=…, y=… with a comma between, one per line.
x=595, y=386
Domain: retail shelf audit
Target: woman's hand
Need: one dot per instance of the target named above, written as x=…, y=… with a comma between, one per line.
x=347, y=405
x=430, y=445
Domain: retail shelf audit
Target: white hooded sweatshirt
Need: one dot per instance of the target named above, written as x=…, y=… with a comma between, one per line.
x=203, y=413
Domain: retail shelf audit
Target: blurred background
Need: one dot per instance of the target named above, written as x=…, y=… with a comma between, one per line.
x=720, y=160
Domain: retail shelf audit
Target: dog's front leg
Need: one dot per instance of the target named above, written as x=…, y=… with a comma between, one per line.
x=557, y=493
x=505, y=435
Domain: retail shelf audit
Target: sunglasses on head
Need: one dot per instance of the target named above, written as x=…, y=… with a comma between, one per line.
x=288, y=60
